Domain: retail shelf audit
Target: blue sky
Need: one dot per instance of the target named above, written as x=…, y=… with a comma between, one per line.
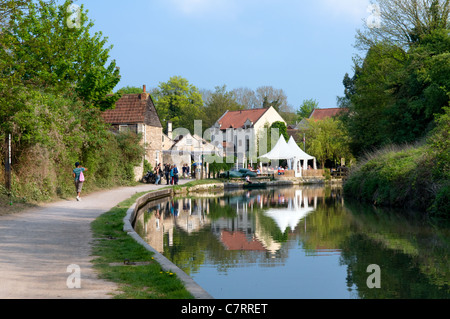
x=303, y=47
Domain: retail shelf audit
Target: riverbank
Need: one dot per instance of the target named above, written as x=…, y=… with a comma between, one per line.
x=142, y=276
x=39, y=244
x=401, y=177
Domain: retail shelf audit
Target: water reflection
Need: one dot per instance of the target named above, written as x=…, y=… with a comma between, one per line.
x=297, y=243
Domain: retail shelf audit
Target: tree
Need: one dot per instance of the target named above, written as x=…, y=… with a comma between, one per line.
x=403, y=23
x=246, y=97
x=217, y=104
x=306, y=109
x=178, y=101
x=394, y=95
x=327, y=140
x=130, y=90
x=38, y=47
x=269, y=96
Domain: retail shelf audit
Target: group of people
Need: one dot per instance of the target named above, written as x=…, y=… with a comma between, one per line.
x=170, y=172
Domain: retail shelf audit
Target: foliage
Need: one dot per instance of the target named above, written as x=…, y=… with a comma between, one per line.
x=178, y=101
x=405, y=22
x=395, y=94
x=281, y=127
x=327, y=140
x=39, y=48
x=306, y=109
x=217, y=104
x=53, y=87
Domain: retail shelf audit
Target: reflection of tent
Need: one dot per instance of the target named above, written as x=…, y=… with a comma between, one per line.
x=290, y=216
x=291, y=152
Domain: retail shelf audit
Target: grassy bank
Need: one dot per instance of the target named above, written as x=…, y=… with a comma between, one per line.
x=122, y=260
x=414, y=176
x=407, y=177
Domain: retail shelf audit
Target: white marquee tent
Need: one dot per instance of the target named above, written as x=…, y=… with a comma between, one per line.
x=291, y=152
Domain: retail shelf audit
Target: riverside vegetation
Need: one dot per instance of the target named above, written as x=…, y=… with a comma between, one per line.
x=54, y=83
x=398, y=101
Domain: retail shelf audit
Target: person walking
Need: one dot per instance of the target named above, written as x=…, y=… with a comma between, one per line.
x=79, y=178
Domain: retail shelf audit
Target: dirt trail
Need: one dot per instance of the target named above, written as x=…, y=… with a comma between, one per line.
x=37, y=246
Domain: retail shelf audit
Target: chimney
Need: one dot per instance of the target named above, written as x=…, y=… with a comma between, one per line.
x=144, y=94
x=169, y=129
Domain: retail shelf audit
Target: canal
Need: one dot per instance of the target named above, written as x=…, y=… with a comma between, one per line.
x=298, y=243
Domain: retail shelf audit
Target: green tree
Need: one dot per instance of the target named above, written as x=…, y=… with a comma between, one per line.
x=39, y=47
x=327, y=140
x=282, y=129
x=130, y=90
x=394, y=95
x=178, y=101
x=217, y=104
x=306, y=109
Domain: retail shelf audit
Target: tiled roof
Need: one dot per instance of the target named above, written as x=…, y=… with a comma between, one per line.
x=236, y=119
x=237, y=240
x=320, y=114
x=133, y=109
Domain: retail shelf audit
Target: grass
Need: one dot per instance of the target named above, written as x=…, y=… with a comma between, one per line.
x=114, y=248
x=399, y=176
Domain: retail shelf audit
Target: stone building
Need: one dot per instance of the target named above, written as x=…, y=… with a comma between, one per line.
x=137, y=113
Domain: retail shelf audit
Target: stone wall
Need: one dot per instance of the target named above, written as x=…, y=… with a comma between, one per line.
x=153, y=138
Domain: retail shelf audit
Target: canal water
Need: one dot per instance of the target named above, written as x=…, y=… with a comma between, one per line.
x=299, y=243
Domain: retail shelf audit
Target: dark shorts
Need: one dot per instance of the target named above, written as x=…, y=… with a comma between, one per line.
x=78, y=186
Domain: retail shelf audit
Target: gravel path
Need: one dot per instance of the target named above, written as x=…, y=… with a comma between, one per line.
x=38, y=245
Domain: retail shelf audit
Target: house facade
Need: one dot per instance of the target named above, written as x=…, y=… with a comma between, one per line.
x=189, y=148
x=137, y=113
x=238, y=132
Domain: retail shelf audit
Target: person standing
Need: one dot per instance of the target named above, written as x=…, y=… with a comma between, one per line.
x=166, y=172
x=79, y=178
x=175, y=174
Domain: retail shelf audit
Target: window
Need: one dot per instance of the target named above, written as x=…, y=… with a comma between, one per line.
x=189, y=141
x=123, y=128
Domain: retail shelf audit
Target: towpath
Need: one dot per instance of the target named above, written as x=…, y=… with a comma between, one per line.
x=38, y=245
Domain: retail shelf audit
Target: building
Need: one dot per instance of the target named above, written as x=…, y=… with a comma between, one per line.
x=321, y=114
x=189, y=148
x=137, y=113
x=238, y=132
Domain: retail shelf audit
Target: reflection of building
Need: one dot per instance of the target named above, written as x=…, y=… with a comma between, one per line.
x=160, y=219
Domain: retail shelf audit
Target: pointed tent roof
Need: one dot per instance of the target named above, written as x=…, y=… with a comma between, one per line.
x=297, y=151
x=283, y=150
x=279, y=151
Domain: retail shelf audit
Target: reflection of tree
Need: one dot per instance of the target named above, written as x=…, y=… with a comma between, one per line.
x=412, y=255
x=401, y=276
x=427, y=247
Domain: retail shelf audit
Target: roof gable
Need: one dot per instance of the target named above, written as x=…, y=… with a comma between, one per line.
x=237, y=119
x=133, y=109
x=321, y=114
